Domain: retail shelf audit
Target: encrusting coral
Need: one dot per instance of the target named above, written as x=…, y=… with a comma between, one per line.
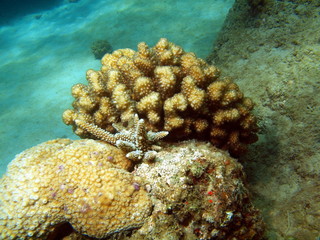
x=80, y=182
x=172, y=90
x=198, y=193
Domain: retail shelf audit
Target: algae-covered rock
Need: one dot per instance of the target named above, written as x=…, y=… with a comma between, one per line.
x=100, y=47
x=198, y=192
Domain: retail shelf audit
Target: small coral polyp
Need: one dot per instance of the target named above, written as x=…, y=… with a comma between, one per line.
x=172, y=90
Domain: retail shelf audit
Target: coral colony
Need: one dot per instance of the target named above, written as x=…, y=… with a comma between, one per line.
x=124, y=183
x=171, y=90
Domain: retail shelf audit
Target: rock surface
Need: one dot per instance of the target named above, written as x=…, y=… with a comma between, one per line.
x=272, y=48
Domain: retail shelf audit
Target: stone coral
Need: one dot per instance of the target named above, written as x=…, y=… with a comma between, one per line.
x=198, y=192
x=172, y=90
x=139, y=143
x=80, y=182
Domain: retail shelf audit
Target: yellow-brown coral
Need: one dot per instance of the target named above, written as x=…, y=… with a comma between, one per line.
x=172, y=90
x=81, y=182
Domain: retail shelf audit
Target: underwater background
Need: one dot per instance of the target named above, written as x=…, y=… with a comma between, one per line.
x=47, y=49
x=270, y=48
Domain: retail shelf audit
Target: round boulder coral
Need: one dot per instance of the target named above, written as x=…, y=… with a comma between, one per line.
x=80, y=182
x=172, y=90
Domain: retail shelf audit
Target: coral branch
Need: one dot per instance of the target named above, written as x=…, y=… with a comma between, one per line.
x=135, y=140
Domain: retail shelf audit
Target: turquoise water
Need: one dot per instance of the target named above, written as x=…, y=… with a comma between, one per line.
x=46, y=49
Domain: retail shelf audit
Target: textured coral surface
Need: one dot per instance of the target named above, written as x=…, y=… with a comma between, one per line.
x=197, y=192
x=80, y=182
x=192, y=190
x=172, y=90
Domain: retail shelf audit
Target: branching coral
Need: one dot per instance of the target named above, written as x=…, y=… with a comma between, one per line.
x=81, y=182
x=136, y=141
x=172, y=90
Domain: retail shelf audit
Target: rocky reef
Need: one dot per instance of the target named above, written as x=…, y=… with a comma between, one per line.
x=172, y=90
x=278, y=65
x=198, y=192
x=192, y=190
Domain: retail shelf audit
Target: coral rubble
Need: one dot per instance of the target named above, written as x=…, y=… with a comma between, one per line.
x=81, y=182
x=172, y=90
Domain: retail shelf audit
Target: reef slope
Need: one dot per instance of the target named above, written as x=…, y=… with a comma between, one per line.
x=272, y=48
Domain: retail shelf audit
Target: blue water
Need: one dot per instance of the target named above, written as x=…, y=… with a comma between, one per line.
x=45, y=49
x=11, y=10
